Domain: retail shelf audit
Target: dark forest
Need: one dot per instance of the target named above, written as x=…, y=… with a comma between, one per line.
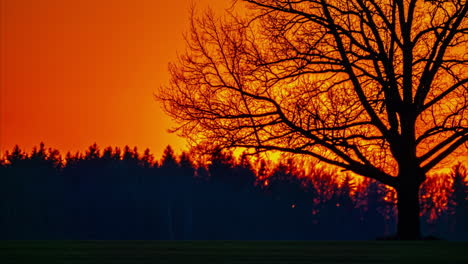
x=123, y=194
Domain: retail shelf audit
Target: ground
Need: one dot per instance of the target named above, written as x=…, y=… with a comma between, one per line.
x=233, y=252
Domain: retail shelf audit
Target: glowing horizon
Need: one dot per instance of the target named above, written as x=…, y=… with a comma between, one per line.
x=74, y=74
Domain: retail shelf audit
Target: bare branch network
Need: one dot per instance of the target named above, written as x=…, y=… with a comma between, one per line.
x=371, y=86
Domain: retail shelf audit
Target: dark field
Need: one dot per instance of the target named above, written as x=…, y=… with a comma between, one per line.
x=232, y=252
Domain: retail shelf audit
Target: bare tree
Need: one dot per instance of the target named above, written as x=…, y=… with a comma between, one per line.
x=376, y=87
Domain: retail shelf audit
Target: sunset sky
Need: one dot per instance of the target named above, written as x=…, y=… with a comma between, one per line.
x=78, y=72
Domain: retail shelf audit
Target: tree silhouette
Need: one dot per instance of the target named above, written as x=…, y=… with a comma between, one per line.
x=102, y=195
x=16, y=157
x=378, y=88
x=458, y=201
x=377, y=211
x=286, y=185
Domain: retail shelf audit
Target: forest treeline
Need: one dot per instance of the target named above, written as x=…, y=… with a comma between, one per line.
x=123, y=194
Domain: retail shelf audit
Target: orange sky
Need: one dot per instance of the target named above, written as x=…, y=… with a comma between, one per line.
x=78, y=72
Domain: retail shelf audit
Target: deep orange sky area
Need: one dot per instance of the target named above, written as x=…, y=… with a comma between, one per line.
x=78, y=72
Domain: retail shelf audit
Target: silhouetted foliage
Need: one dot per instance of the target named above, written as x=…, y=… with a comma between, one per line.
x=378, y=213
x=458, y=202
x=377, y=88
x=114, y=194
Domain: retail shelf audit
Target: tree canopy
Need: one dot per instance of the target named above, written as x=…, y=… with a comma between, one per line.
x=377, y=87
x=111, y=193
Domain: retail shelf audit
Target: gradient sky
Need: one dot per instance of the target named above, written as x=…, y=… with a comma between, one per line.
x=78, y=72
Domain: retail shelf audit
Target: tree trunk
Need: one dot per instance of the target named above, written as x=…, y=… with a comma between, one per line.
x=408, y=212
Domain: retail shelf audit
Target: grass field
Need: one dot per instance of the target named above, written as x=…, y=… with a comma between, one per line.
x=232, y=252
